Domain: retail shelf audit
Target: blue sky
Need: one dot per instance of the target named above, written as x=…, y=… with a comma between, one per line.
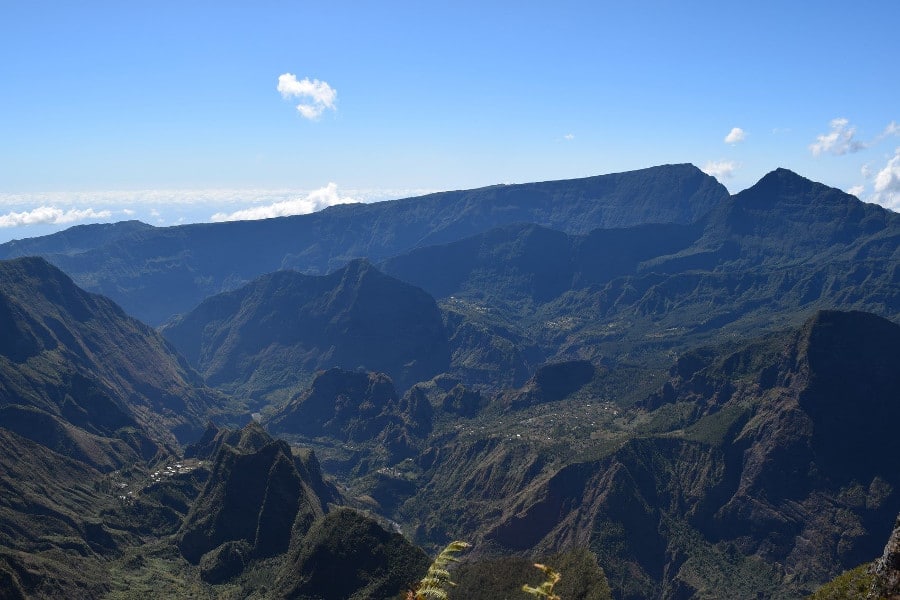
x=170, y=111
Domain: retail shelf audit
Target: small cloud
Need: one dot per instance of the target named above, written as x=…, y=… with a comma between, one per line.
x=857, y=190
x=316, y=200
x=891, y=130
x=866, y=171
x=842, y=138
x=569, y=137
x=720, y=169
x=839, y=141
x=128, y=212
x=735, y=135
x=51, y=215
x=318, y=95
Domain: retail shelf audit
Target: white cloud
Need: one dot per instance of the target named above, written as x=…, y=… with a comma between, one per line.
x=888, y=179
x=720, y=169
x=887, y=183
x=857, y=190
x=735, y=135
x=138, y=201
x=569, y=137
x=891, y=130
x=318, y=95
x=51, y=215
x=840, y=140
x=316, y=200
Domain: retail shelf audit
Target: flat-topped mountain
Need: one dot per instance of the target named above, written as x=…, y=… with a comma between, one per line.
x=155, y=273
x=276, y=332
x=73, y=240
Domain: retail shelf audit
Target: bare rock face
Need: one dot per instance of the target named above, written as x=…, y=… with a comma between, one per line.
x=887, y=569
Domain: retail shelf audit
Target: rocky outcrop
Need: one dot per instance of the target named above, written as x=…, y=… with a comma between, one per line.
x=886, y=570
x=358, y=407
x=551, y=383
x=256, y=500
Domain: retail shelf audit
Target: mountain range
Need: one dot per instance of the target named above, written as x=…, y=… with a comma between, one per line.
x=156, y=273
x=664, y=390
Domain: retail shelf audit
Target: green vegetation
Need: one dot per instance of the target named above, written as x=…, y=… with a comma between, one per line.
x=574, y=388
x=851, y=585
x=436, y=581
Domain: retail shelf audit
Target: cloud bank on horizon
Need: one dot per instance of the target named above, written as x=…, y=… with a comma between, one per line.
x=312, y=202
x=58, y=210
x=52, y=215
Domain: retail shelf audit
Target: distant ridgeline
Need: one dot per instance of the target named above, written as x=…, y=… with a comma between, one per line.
x=637, y=377
x=155, y=273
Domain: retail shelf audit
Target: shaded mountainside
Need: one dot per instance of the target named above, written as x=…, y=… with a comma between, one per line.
x=551, y=383
x=82, y=378
x=767, y=470
x=274, y=333
x=259, y=495
x=266, y=509
x=159, y=272
x=355, y=407
x=89, y=399
x=348, y=555
x=528, y=263
x=74, y=240
x=764, y=259
x=50, y=526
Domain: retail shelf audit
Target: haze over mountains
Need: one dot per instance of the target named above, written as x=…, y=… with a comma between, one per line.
x=637, y=372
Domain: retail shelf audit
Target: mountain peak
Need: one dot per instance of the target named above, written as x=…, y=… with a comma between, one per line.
x=784, y=186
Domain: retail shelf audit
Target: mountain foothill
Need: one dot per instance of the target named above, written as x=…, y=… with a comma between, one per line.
x=658, y=388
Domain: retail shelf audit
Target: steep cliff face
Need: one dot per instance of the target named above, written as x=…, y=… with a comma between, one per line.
x=886, y=570
x=749, y=479
x=550, y=383
x=82, y=378
x=357, y=407
x=259, y=496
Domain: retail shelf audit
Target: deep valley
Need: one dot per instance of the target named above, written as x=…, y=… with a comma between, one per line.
x=660, y=389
